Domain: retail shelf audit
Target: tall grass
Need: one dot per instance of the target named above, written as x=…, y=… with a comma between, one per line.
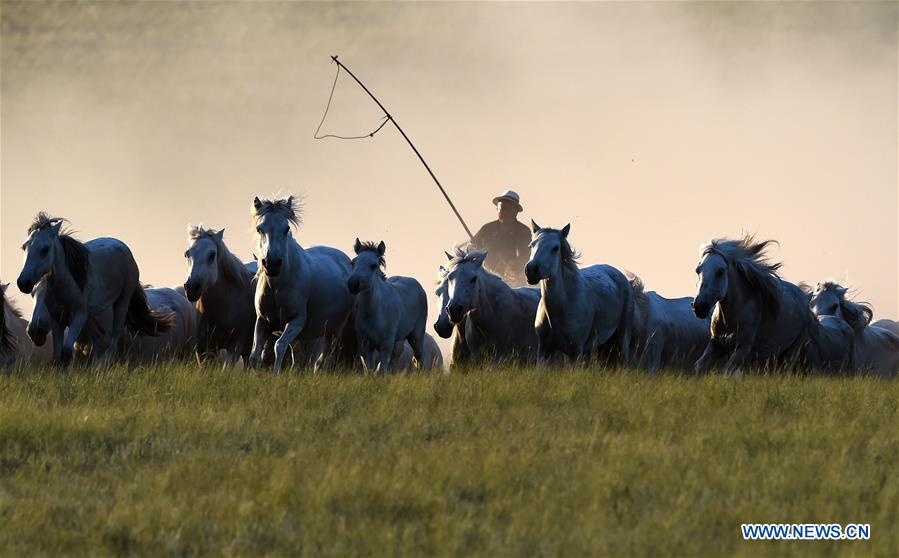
x=179, y=460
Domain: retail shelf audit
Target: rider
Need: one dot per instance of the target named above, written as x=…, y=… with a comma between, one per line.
x=506, y=240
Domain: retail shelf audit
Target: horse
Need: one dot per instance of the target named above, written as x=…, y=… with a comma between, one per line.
x=666, y=334
x=758, y=317
x=445, y=328
x=86, y=279
x=180, y=342
x=300, y=292
x=580, y=310
x=223, y=289
x=503, y=317
x=876, y=350
x=388, y=310
x=15, y=347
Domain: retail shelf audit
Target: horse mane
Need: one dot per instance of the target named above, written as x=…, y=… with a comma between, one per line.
x=569, y=256
x=640, y=295
x=77, y=257
x=857, y=314
x=291, y=208
x=467, y=253
x=366, y=246
x=751, y=261
x=7, y=339
x=232, y=267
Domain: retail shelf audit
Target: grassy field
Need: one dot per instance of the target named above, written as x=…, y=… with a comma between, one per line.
x=181, y=461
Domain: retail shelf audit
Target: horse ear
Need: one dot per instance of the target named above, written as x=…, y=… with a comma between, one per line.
x=565, y=230
x=56, y=226
x=441, y=270
x=357, y=246
x=534, y=226
x=381, y=248
x=3, y=287
x=220, y=234
x=842, y=291
x=479, y=258
x=257, y=203
x=449, y=256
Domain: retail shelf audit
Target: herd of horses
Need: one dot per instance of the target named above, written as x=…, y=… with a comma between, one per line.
x=317, y=307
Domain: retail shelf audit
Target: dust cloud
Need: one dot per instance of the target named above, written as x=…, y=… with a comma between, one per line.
x=650, y=127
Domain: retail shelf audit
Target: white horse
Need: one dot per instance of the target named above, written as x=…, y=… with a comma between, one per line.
x=758, y=318
x=503, y=317
x=666, y=334
x=460, y=354
x=580, y=309
x=876, y=350
x=300, y=292
x=86, y=280
x=388, y=310
x=223, y=289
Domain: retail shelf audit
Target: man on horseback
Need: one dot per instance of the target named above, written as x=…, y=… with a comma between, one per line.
x=506, y=240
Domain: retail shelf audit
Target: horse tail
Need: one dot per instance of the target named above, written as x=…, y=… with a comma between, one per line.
x=142, y=319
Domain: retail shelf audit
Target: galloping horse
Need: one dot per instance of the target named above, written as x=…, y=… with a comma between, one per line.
x=86, y=280
x=388, y=310
x=666, y=334
x=580, y=309
x=502, y=317
x=758, y=317
x=876, y=350
x=445, y=328
x=300, y=292
x=223, y=289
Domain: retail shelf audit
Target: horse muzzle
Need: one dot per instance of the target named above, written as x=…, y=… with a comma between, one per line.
x=700, y=309
x=443, y=328
x=25, y=285
x=456, y=313
x=353, y=285
x=192, y=292
x=271, y=267
x=532, y=274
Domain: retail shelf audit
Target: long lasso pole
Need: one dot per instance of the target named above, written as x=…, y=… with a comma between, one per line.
x=420, y=158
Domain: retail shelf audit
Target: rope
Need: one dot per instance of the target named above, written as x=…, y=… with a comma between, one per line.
x=385, y=119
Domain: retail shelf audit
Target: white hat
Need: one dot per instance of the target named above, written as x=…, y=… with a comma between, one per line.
x=509, y=196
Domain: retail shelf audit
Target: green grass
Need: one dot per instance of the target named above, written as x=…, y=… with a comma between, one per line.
x=184, y=461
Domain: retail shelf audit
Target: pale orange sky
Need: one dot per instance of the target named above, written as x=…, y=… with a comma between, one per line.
x=651, y=127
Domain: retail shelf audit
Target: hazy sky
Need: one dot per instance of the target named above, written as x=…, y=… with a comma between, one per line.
x=651, y=127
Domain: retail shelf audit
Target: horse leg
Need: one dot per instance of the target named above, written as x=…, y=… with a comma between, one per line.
x=710, y=357
x=737, y=359
x=260, y=334
x=386, y=352
x=58, y=332
x=293, y=329
x=75, y=324
x=416, y=341
x=119, y=312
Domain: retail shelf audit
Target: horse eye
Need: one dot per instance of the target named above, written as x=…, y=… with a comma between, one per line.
x=474, y=279
x=373, y=266
x=45, y=250
x=211, y=256
x=719, y=273
x=555, y=248
x=286, y=230
x=259, y=230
